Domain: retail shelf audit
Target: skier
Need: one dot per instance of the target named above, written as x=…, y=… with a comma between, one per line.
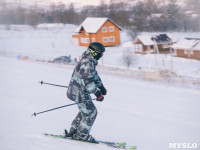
x=85, y=81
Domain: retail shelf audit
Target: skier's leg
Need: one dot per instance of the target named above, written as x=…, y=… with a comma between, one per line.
x=75, y=124
x=77, y=120
x=89, y=112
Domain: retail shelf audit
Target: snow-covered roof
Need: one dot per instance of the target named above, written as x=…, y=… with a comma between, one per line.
x=155, y=16
x=145, y=39
x=187, y=43
x=148, y=40
x=197, y=46
x=93, y=24
x=50, y=25
x=193, y=14
x=190, y=12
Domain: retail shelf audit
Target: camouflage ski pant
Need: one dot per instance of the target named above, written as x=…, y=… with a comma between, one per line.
x=85, y=118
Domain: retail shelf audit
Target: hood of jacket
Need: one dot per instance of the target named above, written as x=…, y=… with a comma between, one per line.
x=88, y=55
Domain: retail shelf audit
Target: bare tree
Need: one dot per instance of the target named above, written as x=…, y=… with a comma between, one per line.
x=132, y=32
x=128, y=57
x=132, y=18
x=192, y=5
x=172, y=14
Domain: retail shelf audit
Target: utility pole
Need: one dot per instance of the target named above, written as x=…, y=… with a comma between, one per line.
x=171, y=43
x=156, y=50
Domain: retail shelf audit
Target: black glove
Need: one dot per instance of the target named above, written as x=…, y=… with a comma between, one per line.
x=103, y=90
x=99, y=96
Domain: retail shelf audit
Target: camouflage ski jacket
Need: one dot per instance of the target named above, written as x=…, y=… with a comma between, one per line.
x=85, y=79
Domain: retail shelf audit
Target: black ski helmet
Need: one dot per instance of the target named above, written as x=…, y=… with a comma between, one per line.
x=97, y=50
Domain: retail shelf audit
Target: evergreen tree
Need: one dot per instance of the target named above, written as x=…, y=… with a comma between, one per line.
x=172, y=14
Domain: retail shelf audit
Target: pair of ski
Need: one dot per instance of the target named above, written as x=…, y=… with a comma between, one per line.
x=121, y=145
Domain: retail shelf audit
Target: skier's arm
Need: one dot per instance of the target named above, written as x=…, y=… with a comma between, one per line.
x=97, y=79
x=88, y=80
x=100, y=84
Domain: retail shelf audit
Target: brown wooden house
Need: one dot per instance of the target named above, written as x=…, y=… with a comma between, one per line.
x=102, y=30
x=188, y=48
x=152, y=44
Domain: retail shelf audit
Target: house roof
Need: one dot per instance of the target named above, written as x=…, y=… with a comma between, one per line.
x=190, y=12
x=187, y=43
x=155, y=16
x=197, y=46
x=50, y=25
x=93, y=24
x=145, y=39
x=193, y=14
x=149, y=40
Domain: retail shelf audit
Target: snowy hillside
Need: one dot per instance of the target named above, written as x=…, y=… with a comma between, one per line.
x=146, y=114
x=49, y=41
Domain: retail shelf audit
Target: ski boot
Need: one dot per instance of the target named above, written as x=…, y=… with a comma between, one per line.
x=71, y=133
x=86, y=138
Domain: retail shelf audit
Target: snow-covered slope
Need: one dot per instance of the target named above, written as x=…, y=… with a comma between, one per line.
x=145, y=114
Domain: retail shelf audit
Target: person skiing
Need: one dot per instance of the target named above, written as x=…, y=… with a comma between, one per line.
x=85, y=81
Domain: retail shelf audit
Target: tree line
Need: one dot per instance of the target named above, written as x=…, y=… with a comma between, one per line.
x=146, y=15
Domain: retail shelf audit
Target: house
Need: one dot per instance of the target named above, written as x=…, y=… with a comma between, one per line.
x=156, y=16
x=188, y=48
x=94, y=29
x=152, y=44
x=192, y=14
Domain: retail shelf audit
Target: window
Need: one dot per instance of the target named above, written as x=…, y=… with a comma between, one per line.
x=112, y=38
x=93, y=39
x=165, y=46
x=150, y=47
x=191, y=52
x=75, y=41
x=85, y=40
x=104, y=29
x=138, y=47
x=105, y=39
x=111, y=29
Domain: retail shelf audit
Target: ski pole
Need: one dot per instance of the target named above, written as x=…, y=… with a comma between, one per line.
x=34, y=114
x=42, y=82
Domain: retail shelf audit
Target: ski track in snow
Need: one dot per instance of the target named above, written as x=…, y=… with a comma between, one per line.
x=146, y=114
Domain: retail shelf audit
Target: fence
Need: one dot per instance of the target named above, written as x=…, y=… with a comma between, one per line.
x=154, y=75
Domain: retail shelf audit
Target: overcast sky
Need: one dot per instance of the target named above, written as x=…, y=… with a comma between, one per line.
x=80, y=2
x=77, y=3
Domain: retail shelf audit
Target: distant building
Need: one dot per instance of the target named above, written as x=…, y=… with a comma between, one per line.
x=188, y=48
x=102, y=30
x=192, y=14
x=156, y=16
x=150, y=44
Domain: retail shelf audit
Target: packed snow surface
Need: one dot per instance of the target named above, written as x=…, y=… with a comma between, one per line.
x=146, y=114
